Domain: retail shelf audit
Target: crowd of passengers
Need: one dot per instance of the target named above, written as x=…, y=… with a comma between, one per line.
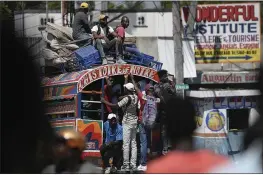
x=140, y=110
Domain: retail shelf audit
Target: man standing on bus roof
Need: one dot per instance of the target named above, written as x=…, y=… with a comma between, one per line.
x=81, y=28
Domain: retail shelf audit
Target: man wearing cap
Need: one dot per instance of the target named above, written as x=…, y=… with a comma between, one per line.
x=129, y=125
x=105, y=38
x=113, y=142
x=81, y=28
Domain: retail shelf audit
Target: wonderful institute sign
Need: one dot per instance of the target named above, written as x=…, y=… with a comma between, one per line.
x=226, y=32
x=115, y=69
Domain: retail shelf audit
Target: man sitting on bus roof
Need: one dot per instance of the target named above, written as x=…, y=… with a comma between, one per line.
x=105, y=38
x=80, y=27
x=113, y=142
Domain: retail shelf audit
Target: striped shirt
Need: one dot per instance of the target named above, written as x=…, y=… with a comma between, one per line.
x=130, y=105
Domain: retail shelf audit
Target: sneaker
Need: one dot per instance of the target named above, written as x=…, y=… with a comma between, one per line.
x=120, y=60
x=142, y=168
x=104, y=61
x=133, y=168
x=107, y=170
x=125, y=168
x=164, y=152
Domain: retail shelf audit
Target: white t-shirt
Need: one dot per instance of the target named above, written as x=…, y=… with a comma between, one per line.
x=102, y=32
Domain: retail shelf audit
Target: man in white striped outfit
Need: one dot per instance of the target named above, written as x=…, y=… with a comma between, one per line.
x=129, y=125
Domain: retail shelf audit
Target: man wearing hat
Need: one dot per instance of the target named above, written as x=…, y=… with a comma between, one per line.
x=129, y=124
x=81, y=28
x=105, y=38
x=113, y=142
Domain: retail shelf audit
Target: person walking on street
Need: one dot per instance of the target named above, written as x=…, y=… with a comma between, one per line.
x=113, y=143
x=80, y=27
x=129, y=125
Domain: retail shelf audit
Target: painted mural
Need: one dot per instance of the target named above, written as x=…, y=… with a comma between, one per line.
x=215, y=120
x=93, y=132
x=56, y=91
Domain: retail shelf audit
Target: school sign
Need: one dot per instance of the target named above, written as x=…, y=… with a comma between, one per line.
x=226, y=33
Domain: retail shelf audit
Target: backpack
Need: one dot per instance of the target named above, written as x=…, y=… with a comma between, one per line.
x=149, y=112
x=107, y=34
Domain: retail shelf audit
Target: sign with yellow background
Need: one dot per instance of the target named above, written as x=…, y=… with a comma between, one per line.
x=226, y=33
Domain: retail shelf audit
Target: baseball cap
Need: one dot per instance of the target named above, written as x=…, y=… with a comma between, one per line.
x=102, y=16
x=84, y=5
x=129, y=87
x=110, y=116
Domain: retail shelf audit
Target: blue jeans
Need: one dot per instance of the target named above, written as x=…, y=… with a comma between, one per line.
x=144, y=133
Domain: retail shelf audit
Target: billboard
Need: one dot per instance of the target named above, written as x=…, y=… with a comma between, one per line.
x=226, y=33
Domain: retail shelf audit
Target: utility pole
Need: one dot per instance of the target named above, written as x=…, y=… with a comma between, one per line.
x=178, y=50
x=62, y=12
x=191, y=19
x=23, y=20
x=46, y=12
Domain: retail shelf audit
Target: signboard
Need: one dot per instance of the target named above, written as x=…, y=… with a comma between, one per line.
x=229, y=77
x=225, y=77
x=226, y=32
x=182, y=86
x=93, y=132
x=115, y=69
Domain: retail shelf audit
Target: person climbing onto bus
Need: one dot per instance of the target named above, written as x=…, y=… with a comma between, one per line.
x=147, y=116
x=183, y=158
x=80, y=27
x=164, y=91
x=113, y=143
x=129, y=125
x=111, y=93
x=105, y=37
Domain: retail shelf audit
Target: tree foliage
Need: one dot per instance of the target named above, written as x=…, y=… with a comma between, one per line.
x=5, y=12
x=125, y=5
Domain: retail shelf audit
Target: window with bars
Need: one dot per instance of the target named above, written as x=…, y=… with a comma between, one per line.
x=43, y=21
x=141, y=22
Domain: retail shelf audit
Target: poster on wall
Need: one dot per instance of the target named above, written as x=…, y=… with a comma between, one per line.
x=93, y=132
x=226, y=32
x=215, y=120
